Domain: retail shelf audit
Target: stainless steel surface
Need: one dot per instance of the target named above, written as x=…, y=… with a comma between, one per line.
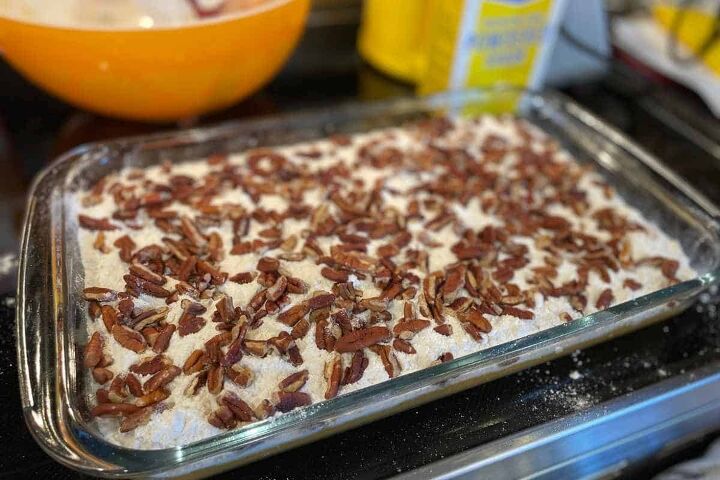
x=50, y=315
x=600, y=442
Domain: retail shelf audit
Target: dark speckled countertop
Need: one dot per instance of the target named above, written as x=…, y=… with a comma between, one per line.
x=34, y=128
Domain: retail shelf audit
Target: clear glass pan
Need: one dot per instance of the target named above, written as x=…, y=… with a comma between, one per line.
x=50, y=313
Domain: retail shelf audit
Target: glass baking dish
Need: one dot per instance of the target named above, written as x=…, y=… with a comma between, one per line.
x=50, y=314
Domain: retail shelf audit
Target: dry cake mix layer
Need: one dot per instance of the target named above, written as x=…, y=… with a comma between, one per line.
x=236, y=288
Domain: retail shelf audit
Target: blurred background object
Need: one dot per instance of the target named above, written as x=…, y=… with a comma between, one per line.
x=676, y=39
x=150, y=60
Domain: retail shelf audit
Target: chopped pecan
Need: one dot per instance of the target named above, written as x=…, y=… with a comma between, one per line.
x=517, y=312
x=117, y=391
x=403, y=346
x=163, y=339
x=357, y=367
x=189, y=324
x=604, y=300
x=445, y=329
x=334, y=275
x=293, y=315
x=264, y=409
x=149, y=317
x=93, y=351
x=258, y=348
x=126, y=246
x=333, y=376
x=632, y=284
x=239, y=375
x=161, y=378
x=99, y=294
x=155, y=396
x=361, y=338
x=241, y=410
x=277, y=289
x=294, y=382
x=191, y=232
x=476, y=318
x=151, y=366
x=243, y=277
x=140, y=270
x=286, y=401
x=90, y=223
x=407, y=329
x=215, y=380
x=129, y=338
x=113, y=409
x=134, y=385
x=101, y=375
x=268, y=264
x=375, y=304
x=196, y=384
x=222, y=418
x=321, y=300
x=195, y=362
x=387, y=356
x=135, y=420
x=300, y=329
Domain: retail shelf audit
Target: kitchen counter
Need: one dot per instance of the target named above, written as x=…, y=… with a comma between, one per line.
x=34, y=128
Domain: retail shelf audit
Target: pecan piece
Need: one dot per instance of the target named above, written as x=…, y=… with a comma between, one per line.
x=101, y=375
x=216, y=377
x=134, y=385
x=155, y=396
x=286, y=401
x=294, y=382
x=264, y=409
x=189, y=324
x=141, y=271
x=293, y=314
x=222, y=418
x=361, y=338
x=477, y=319
x=195, y=362
x=90, y=223
x=403, y=346
x=333, y=376
x=99, y=294
x=113, y=409
x=116, y=391
x=163, y=339
x=276, y=290
x=334, y=275
x=191, y=232
x=258, y=348
x=126, y=246
x=445, y=329
x=243, y=277
x=161, y=378
x=151, y=366
x=357, y=367
x=241, y=410
x=408, y=328
x=196, y=384
x=518, y=312
x=321, y=300
x=604, y=299
x=632, y=284
x=136, y=419
x=93, y=351
x=300, y=329
x=240, y=375
x=388, y=358
x=129, y=338
x=268, y=264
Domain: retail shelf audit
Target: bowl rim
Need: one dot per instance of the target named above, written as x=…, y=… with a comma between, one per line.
x=266, y=6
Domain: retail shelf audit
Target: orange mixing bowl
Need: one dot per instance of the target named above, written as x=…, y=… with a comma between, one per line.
x=157, y=74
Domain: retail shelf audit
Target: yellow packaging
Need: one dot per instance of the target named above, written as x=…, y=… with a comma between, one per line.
x=484, y=43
